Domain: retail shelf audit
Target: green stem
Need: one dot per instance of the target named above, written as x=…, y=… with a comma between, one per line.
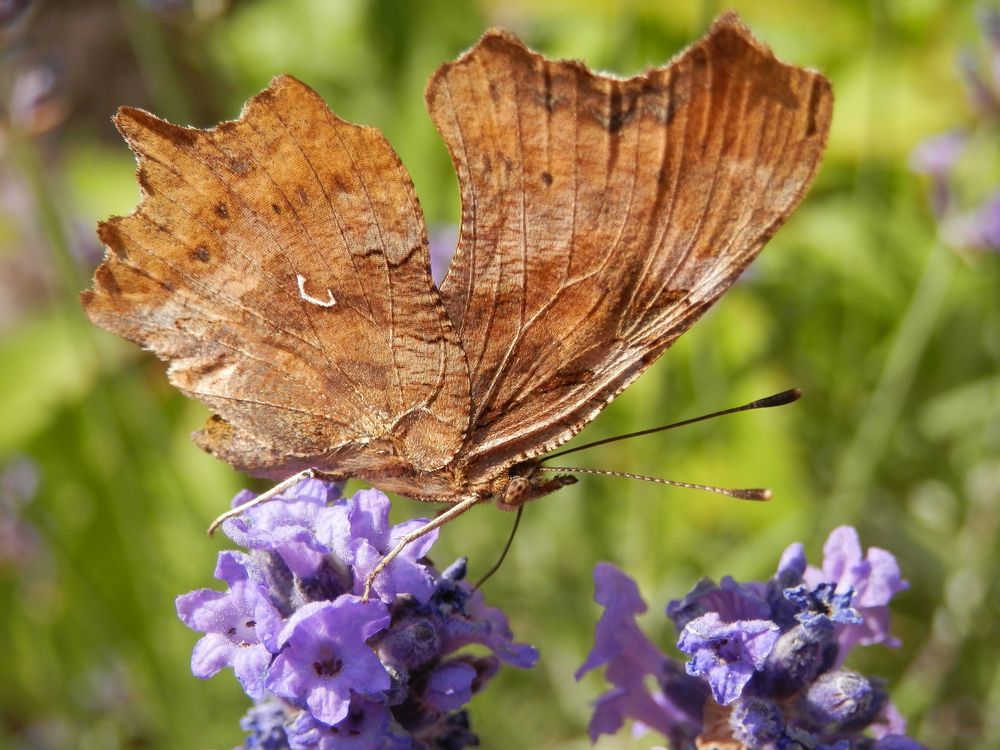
x=127, y=424
x=881, y=414
x=51, y=220
x=157, y=66
x=957, y=622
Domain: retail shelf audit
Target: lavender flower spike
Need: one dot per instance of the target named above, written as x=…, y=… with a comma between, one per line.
x=327, y=670
x=764, y=670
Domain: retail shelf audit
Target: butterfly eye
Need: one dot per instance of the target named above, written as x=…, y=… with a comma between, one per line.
x=516, y=491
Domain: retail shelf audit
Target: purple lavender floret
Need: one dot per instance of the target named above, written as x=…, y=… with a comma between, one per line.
x=727, y=654
x=264, y=724
x=674, y=706
x=475, y=622
x=327, y=669
x=765, y=669
x=757, y=722
x=359, y=534
x=732, y=601
x=874, y=578
x=324, y=658
x=823, y=606
x=842, y=700
x=287, y=525
x=368, y=725
x=897, y=742
x=449, y=686
x=800, y=655
x=240, y=625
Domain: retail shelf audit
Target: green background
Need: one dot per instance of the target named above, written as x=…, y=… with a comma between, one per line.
x=894, y=338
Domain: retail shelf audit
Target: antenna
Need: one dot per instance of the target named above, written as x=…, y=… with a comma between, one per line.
x=756, y=494
x=778, y=399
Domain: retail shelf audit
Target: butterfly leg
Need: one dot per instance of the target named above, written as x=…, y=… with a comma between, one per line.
x=265, y=496
x=437, y=522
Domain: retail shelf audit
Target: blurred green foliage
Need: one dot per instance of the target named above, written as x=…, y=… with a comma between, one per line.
x=894, y=338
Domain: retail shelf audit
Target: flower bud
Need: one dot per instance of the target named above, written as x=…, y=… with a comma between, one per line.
x=799, y=656
x=842, y=701
x=756, y=722
x=278, y=578
x=332, y=578
x=410, y=645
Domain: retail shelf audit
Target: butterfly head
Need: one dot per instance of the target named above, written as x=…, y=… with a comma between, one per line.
x=524, y=482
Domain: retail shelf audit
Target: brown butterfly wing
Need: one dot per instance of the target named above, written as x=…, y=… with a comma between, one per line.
x=279, y=263
x=601, y=217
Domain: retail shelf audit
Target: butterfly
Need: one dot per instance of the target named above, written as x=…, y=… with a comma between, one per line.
x=279, y=262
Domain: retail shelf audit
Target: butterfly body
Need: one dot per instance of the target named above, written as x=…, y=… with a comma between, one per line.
x=279, y=262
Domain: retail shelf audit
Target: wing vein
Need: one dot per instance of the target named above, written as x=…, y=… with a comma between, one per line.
x=500, y=373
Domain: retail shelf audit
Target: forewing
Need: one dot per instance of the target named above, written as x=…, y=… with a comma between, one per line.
x=279, y=263
x=601, y=217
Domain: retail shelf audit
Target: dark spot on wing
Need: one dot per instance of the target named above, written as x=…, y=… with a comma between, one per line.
x=110, y=236
x=814, y=98
x=618, y=115
x=105, y=278
x=143, y=177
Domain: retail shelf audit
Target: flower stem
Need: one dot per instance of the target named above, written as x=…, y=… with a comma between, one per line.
x=881, y=413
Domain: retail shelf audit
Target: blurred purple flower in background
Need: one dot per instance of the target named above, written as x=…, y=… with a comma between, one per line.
x=443, y=241
x=968, y=216
x=20, y=543
x=13, y=13
x=326, y=669
x=764, y=672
